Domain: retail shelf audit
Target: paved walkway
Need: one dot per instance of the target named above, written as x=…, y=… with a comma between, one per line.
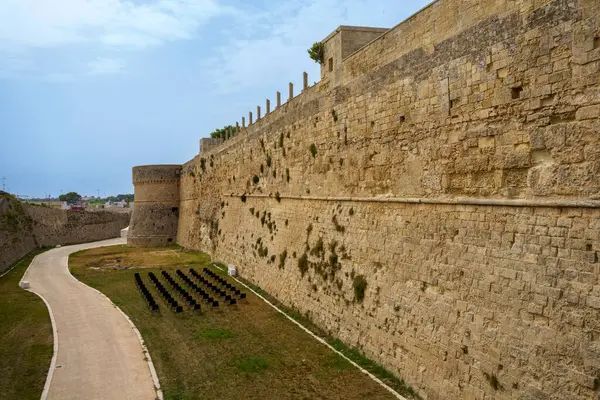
x=99, y=354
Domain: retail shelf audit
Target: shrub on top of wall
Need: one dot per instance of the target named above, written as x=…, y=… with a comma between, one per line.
x=317, y=52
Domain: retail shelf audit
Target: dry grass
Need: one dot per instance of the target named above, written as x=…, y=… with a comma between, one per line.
x=25, y=338
x=247, y=351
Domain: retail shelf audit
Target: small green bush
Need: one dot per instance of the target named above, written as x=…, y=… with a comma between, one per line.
x=303, y=264
x=255, y=179
x=317, y=52
x=313, y=150
x=360, y=285
x=282, y=258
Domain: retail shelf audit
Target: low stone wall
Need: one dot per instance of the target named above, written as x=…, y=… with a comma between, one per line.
x=24, y=227
x=52, y=226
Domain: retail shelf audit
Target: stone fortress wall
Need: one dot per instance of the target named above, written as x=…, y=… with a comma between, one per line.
x=451, y=165
x=156, y=207
x=24, y=227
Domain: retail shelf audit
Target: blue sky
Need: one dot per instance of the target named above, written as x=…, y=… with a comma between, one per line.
x=90, y=88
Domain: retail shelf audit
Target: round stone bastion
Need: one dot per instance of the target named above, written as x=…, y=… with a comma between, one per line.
x=156, y=205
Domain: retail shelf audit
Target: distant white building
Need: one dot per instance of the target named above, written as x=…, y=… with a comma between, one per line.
x=118, y=204
x=65, y=206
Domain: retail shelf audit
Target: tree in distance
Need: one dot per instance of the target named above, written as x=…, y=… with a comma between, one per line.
x=70, y=198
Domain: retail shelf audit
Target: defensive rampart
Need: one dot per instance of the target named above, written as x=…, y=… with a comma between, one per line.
x=156, y=207
x=433, y=200
x=23, y=227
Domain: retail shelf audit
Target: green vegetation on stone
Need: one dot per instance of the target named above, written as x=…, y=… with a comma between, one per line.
x=317, y=52
x=222, y=133
x=360, y=285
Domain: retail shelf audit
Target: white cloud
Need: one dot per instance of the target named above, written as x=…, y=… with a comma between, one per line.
x=44, y=23
x=105, y=66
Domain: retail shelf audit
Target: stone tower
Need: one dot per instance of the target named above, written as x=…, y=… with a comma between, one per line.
x=156, y=207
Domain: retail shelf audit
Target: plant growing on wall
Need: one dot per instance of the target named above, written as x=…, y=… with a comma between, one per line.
x=303, y=264
x=222, y=133
x=282, y=258
x=360, y=285
x=317, y=52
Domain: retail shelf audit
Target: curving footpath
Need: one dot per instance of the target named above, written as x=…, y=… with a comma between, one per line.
x=98, y=353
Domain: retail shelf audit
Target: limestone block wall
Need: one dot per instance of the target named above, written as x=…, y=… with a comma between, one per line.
x=15, y=231
x=341, y=43
x=24, y=227
x=52, y=226
x=453, y=168
x=156, y=207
